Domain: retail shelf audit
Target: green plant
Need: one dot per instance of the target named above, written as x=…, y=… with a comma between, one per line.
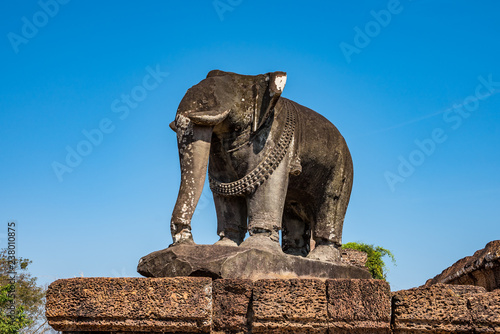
x=374, y=263
x=11, y=320
x=21, y=299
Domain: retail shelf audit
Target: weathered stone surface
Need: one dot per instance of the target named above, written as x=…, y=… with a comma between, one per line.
x=438, y=308
x=289, y=306
x=186, y=260
x=236, y=262
x=274, y=165
x=481, y=269
x=485, y=311
x=200, y=305
x=231, y=305
x=354, y=257
x=130, y=304
x=358, y=306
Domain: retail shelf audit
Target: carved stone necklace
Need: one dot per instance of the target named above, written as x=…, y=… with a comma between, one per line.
x=264, y=169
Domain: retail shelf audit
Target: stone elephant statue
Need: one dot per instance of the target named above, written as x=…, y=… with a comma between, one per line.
x=273, y=165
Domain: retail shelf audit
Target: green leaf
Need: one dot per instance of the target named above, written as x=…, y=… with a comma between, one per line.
x=374, y=262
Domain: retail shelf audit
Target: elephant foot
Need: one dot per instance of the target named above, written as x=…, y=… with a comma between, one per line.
x=327, y=253
x=263, y=242
x=226, y=242
x=184, y=237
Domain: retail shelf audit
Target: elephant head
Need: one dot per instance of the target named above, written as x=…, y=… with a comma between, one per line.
x=223, y=102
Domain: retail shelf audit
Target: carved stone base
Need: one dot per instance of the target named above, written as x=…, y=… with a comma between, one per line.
x=236, y=262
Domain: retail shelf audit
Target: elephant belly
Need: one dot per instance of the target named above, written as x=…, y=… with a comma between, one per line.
x=324, y=158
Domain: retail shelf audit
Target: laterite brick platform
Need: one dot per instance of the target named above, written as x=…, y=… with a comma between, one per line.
x=200, y=305
x=203, y=305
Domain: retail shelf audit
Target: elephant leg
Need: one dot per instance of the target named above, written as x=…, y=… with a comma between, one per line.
x=296, y=236
x=327, y=232
x=265, y=209
x=296, y=230
x=231, y=219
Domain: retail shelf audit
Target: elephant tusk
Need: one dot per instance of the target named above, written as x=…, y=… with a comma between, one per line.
x=208, y=118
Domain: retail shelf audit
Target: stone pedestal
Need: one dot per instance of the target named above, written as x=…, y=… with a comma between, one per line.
x=237, y=262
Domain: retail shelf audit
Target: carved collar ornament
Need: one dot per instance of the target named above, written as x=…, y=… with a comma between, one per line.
x=266, y=167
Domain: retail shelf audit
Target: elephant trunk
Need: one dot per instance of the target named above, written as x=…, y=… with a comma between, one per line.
x=194, y=148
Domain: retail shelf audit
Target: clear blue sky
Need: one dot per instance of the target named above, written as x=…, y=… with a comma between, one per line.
x=412, y=86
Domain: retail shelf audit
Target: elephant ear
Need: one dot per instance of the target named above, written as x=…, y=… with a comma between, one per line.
x=268, y=92
x=217, y=73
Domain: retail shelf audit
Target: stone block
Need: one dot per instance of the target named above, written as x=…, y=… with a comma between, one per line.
x=130, y=304
x=485, y=311
x=358, y=306
x=439, y=308
x=289, y=306
x=231, y=305
x=354, y=257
